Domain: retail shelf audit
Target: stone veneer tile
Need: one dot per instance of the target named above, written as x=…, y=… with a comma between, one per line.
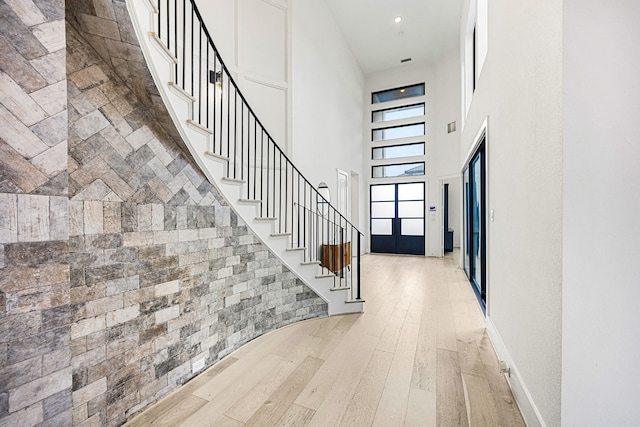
x=14, y=98
x=53, y=98
x=52, y=130
x=51, y=66
x=90, y=124
x=33, y=220
x=52, y=161
x=89, y=392
x=19, y=69
x=87, y=78
x=49, y=35
x=105, y=28
x=30, y=416
x=8, y=218
x=93, y=217
x=18, y=136
x=39, y=389
x=27, y=11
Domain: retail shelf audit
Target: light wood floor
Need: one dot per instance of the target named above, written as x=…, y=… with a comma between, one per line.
x=418, y=356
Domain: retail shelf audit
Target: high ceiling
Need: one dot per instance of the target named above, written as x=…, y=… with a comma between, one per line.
x=428, y=27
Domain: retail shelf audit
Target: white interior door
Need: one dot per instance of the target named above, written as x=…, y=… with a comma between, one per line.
x=342, y=202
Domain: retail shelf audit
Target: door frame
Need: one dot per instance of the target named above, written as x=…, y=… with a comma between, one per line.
x=441, y=181
x=482, y=137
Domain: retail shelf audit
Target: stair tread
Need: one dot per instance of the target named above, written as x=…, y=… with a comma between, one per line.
x=199, y=127
x=249, y=201
x=215, y=156
x=160, y=44
x=181, y=91
x=296, y=249
x=233, y=180
x=280, y=234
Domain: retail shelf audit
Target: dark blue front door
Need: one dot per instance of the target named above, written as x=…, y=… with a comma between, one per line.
x=397, y=218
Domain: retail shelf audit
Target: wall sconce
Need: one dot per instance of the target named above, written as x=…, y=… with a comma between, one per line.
x=215, y=77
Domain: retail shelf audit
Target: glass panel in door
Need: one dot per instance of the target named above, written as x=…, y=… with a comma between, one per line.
x=476, y=222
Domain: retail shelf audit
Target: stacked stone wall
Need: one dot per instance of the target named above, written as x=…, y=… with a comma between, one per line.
x=120, y=264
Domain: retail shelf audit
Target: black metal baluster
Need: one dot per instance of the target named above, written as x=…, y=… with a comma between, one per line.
x=228, y=124
x=358, y=264
x=274, y=177
x=280, y=197
x=175, y=38
x=267, y=189
x=215, y=98
x=199, y=72
x=255, y=155
x=261, y=169
x=206, y=75
x=286, y=193
x=184, y=39
x=298, y=215
x=242, y=140
x=192, y=64
x=222, y=108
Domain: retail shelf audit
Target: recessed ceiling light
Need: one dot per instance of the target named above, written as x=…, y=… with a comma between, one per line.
x=397, y=19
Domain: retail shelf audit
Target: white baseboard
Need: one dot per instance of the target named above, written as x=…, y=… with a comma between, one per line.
x=528, y=408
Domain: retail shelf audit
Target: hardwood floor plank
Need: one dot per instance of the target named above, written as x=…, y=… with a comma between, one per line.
x=506, y=407
x=424, y=366
x=341, y=390
x=318, y=388
x=248, y=404
x=468, y=352
x=446, y=338
x=225, y=422
x=334, y=337
x=364, y=403
x=451, y=407
x=179, y=412
x=487, y=354
x=281, y=399
x=393, y=402
x=224, y=393
x=296, y=416
x=391, y=335
x=482, y=409
x=326, y=326
x=421, y=408
x=147, y=417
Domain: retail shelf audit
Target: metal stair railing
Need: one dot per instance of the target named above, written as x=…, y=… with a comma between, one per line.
x=252, y=155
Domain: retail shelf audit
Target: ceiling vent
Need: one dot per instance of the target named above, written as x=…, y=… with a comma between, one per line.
x=405, y=60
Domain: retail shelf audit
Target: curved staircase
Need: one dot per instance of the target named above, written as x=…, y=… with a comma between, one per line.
x=240, y=158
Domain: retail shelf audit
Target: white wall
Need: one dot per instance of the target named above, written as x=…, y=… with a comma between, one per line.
x=601, y=196
x=520, y=90
x=253, y=38
x=297, y=72
x=327, y=99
